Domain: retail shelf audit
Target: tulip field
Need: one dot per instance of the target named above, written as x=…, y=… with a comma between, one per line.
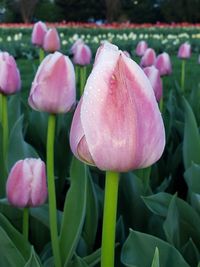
x=100, y=145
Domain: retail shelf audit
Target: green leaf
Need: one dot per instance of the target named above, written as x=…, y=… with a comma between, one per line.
x=191, y=176
x=10, y=255
x=18, y=148
x=155, y=262
x=93, y=258
x=17, y=238
x=188, y=217
x=138, y=249
x=171, y=224
x=191, y=141
x=144, y=175
x=191, y=253
x=198, y=265
x=78, y=262
x=33, y=260
x=91, y=217
x=14, y=110
x=74, y=211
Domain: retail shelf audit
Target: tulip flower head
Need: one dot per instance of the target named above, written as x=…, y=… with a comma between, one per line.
x=53, y=88
x=74, y=46
x=163, y=64
x=148, y=59
x=154, y=77
x=10, y=81
x=82, y=54
x=26, y=184
x=51, y=41
x=184, y=51
x=141, y=48
x=38, y=33
x=117, y=124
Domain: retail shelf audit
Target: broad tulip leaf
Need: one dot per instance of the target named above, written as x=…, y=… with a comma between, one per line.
x=18, y=148
x=14, y=109
x=155, y=262
x=191, y=141
x=17, y=238
x=78, y=262
x=33, y=260
x=74, y=211
x=191, y=253
x=192, y=176
x=3, y=170
x=138, y=251
x=188, y=217
x=93, y=258
x=10, y=255
x=171, y=224
x=91, y=217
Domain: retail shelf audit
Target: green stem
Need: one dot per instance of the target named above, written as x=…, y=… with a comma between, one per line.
x=41, y=54
x=5, y=128
x=183, y=75
x=83, y=73
x=51, y=190
x=161, y=104
x=25, y=223
x=0, y=108
x=109, y=219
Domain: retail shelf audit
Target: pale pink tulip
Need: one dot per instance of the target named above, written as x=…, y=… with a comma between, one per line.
x=51, y=41
x=154, y=77
x=141, y=48
x=74, y=46
x=127, y=53
x=148, y=58
x=184, y=51
x=38, y=33
x=10, y=81
x=117, y=124
x=163, y=64
x=53, y=89
x=26, y=184
x=82, y=55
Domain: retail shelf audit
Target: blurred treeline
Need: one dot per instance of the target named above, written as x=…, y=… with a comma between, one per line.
x=137, y=11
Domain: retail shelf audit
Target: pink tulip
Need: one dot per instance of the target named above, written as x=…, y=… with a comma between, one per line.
x=53, y=89
x=163, y=64
x=148, y=58
x=127, y=53
x=117, y=124
x=10, y=81
x=141, y=48
x=154, y=77
x=26, y=184
x=38, y=33
x=51, y=41
x=199, y=59
x=184, y=51
x=74, y=46
x=82, y=55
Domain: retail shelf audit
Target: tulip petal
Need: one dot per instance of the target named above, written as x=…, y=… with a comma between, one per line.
x=124, y=117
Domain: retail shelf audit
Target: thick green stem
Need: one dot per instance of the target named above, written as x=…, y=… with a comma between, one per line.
x=109, y=219
x=51, y=190
x=5, y=128
x=83, y=74
x=183, y=75
x=25, y=223
x=41, y=55
x=161, y=104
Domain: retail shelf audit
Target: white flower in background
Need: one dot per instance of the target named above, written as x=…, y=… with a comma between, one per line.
x=9, y=38
x=64, y=42
x=62, y=35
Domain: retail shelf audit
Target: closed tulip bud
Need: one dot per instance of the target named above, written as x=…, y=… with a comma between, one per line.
x=184, y=51
x=154, y=77
x=82, y=55
x=148, y=58
x=141, y=48
x=26, y=184
x=38, y=33
x=74, y=46
x=53, y=88
x=51, y=41
x=10, y=81
x=163, y=64
x=117, y=124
